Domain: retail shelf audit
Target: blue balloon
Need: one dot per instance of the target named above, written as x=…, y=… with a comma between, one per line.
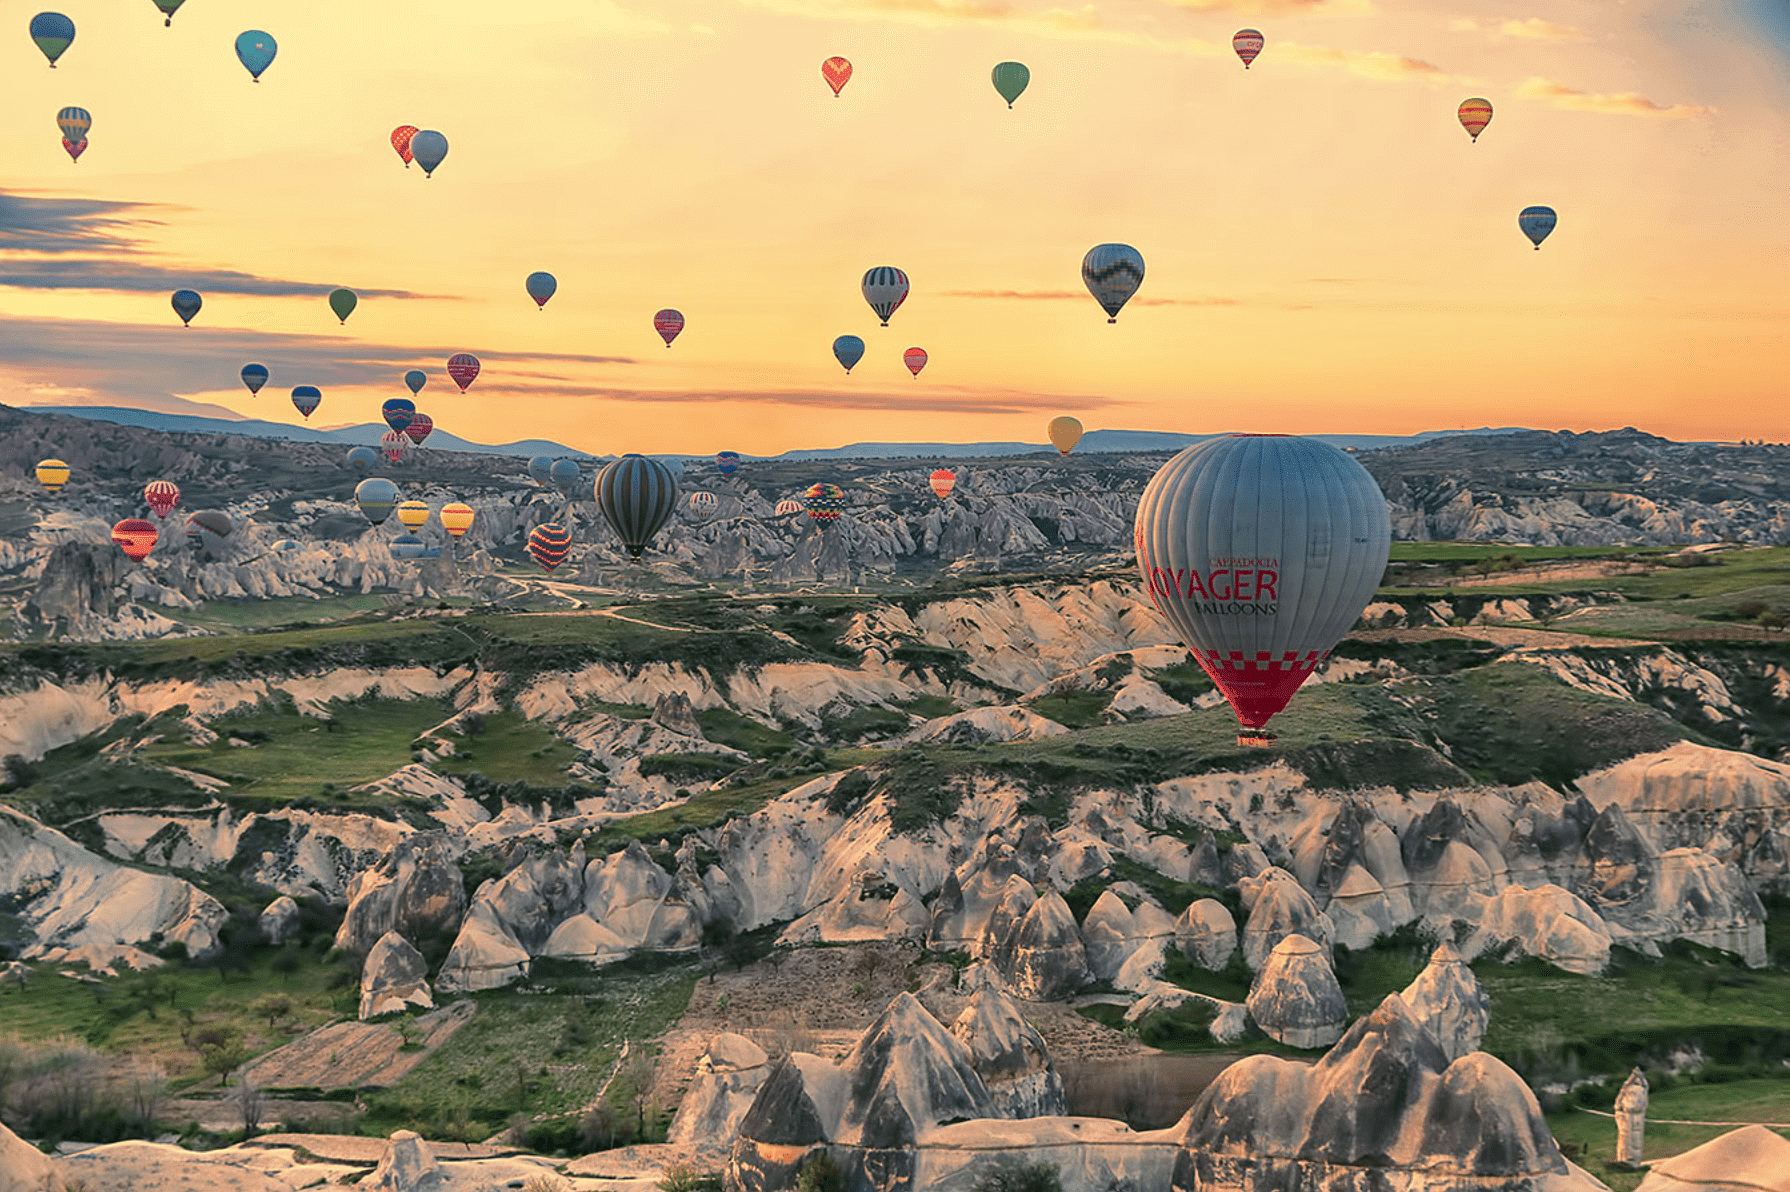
x=186, y=304
x=255, y=50
x=363, y=460
x=848, y=350
x=408, y=546
x=540, y=287
x=427, y=148
x=416, y=378
x=540, y=469
x=254, y=376
x=1536, y=223
x=52, y=32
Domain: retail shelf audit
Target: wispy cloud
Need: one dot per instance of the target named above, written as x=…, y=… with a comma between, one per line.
x=1279, y=8
x=957, y=400
x=57, y=225
x=1622, y=103
x=1369, y=64
x=83, y=273
x=1083, y=296
x=1527, y=29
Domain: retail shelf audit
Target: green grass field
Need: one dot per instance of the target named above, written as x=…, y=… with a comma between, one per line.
x=1592, y=1138
x=512, y=748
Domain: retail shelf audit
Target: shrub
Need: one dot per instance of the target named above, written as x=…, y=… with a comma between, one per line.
x=683, y=1178
x=820, y=1174
x=1013, y=1175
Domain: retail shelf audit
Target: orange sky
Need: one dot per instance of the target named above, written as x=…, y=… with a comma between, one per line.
x=1326, y=250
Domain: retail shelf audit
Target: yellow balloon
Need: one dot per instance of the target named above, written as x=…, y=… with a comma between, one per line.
x=52, y=474
x=457, y=518
x=413, y=514
x=1065, y=433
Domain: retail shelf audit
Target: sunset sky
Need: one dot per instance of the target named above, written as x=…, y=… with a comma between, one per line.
x=1327, y=252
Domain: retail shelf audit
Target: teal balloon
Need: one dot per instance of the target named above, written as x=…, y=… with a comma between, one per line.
x=53, y=34
x=1010, y=79
x=186, y=304
x=255, y=50
x=848, y=350
x=1536, y=223
x=541, y=286
x=416, y=378
x=427, y=148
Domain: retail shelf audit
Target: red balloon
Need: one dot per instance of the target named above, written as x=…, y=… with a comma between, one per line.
x=74, y=149
x=419, y=428
x=915, y=359
x=135, y=537
x=668, y=323
x=837, y=72
x=161, y=496
x=401, y=141
x=943, y=481
x=463, y=367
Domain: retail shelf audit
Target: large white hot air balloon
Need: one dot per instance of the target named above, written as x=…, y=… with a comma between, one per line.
x=1261, y=551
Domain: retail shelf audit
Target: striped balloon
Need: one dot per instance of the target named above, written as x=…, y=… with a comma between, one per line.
x=1248, y=43
x=915, y=359
x=1536, y=223
x=135, y=537
x=398, y=412
x=254, y=376
x=1474, y=115
x=727, y=462
x=1112, y=273
x=161, y=496
x=457, y=518
x=668, y=323
x=787, y=506
x=463, y=368
x=74, y=123
x=414, y=514
x=637, y=496
x=549, y=544
x=419, y=428
x=394, y=443
x=408, y=546
x=703, y=505
x=942, y=481
x=1261, y=551
x=377, y=497
x=824, y=502
x=837, y=72
x=53, y=474
x=401, y=142
x=306, y=398
x=885, y=289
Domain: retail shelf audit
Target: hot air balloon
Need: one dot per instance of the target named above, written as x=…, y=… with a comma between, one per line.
x=1010, y=78
x=343, y=302
x=168, y=9
x=1475, y=114
x=457, y=518
x=415, y=379
x=1065, y=433
x=837, y=73
x=703, y=505
x=408, y=546
x=540, y=286
x=397, y=412
x=207, y=529
x=885, y=289
x=787, y=506
x=915, y=359
x=540, y=469
x=254, y=376
x=637, y=496
x=186, y=304
x=377, y=497
x=413, y=514
x=419, y=428
x=401, y=142
x=255, y=50
x=74, y=149
x=668, y=323
x=1261, y=551
x=74, y=123
x=53, y=33
x=1536, y=223
x=549, y=544
x=52, y=474
x=135, y=537
x=161, y=496
x=463, y=369
x=1112, y=273
x=727, y=462
x=306, y=397
x=428, y=147
x=824, y=502
x=393, y=444
x=1247, y=43
x=848, y=350
x=566, y=476
x=942, y=482
x=363, y=459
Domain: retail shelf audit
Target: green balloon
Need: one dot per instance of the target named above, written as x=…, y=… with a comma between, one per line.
x=1010, y=78
x=343, y=303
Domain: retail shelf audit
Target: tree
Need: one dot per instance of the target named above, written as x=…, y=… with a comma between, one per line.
x=250, y=1102
x=1014, y=1175
x=820, y=1174
x=274, y=1006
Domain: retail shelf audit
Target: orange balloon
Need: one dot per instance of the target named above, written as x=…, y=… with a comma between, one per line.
x=943, y=481
x=837, y=72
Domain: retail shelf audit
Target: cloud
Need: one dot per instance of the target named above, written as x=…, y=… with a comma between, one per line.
x=1369, y=64
x=1528, y=29
x=66, y=225
x=82, y=273
x=1279, y=8
x=1083, y=296
x=1624, y=103
x=953, y=400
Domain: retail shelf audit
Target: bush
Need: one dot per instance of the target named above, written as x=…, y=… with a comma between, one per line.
x=684, y=1178
x=1012, y=1175
x=820, y=1174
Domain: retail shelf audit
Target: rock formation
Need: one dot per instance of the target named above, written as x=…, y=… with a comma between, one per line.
x=417, y=892
x=1206, y=934
x=1631, y=1119
x=408, y=1165
x=726, y=1081
x=24, y=1168
x=279, y=920
x=1750, y=1159
x=1277, y=907
x=394, y=978
x=1547, y=922
x=1448, y=1000
x=1295, y=997
x=1010, y=1056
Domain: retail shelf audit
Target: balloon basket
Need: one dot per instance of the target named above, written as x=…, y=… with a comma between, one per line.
x=1256, y=738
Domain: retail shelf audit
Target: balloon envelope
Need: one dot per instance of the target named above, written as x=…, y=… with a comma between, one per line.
x=419, y=428
x=1112, y=273
x=408, y=546
x=212, y=521
x=363, y=459
x=540, y=287
x=397, y=412
x=463, y=368
x=415, y=379
x=1011, y=78
x=668, y=323
x=848, y=350
x=52, y=474
x=565, y=475
x=885, y=289
x=1248, y=43
x=703, y=505
x=186, y=304
x=1064, y=432
x=401, y=142
x=74, y=149
x=305, y=398
x=377, y=497
x=161, y=496
x=727, y=462
x=428, y=147
x=168, y=9
x=915, y=359
x=394, y=443
x=1474, y=115
x=637, y=496
x=53, y=34
x=824, y=502
x=540, y=469
x=413, y=514
x=254, y=376
x=549, y=544
x=1536, y=223
x=1261, y=551
x=457, y=518
x=942, y=482
x=837, y=72
x=74, y=123
x=343, y=302
x=135, y=537
x=256, y=50
x=787, y=506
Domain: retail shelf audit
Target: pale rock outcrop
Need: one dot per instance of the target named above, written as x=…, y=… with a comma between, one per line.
x=1295, y=997
x=1448, y=1000
x=1108, y=934
x=1010, y=1056
x=673, y=711
x=1041, y=956
x=1206, y=934
x=408, y=1165
x=1351, y=863
x=279, y=920
x=485, y=955
x=417, y=891
x=511, y=919
x=1547, y=922
x=394, y=978
x=24, y=1168
x=1277, y=907
x=981, y=726
x=1750, y=1159
x=1631, y=1119
x=1090, y=1154
x=1453, y=859
x=727, y=1079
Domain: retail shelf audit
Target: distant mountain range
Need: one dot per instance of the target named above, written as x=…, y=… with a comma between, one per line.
x=369, y=432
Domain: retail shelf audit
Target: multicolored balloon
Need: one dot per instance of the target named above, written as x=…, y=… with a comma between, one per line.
x=168, y=9
x=463, y=369
x=413, y=514
x=161, y=496
x=457, y=518
x=427, y=149
x=1010, y=79
x=74, y=149
x=1536, y=223
x=885, y=289
x=53, y=33
x=540, y=286
x=343, y=302
x=394, y=443
x=942, y=482
x=419, y=428
x=1474, y=115
x=1064, y=432
x=415, y=379
x=74, y=123
x=727, y=462
x=254, y=376
x=637, y=496
x=186, y=304
x=306, y=398
x=824, y=502
x=668, y=323
x=401, y=136
x=363, y=459
x=787, y=506
x=1248, y=43
x=1112, y=273
x=703, y=505
x=53, y=474
x=837, y=73
x=848, y=350
x=549, y=544
x=397, y=412
x=256, y=50
x=377, y=497
x=915, y=359
x=135, y=537
x=1261, y=551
